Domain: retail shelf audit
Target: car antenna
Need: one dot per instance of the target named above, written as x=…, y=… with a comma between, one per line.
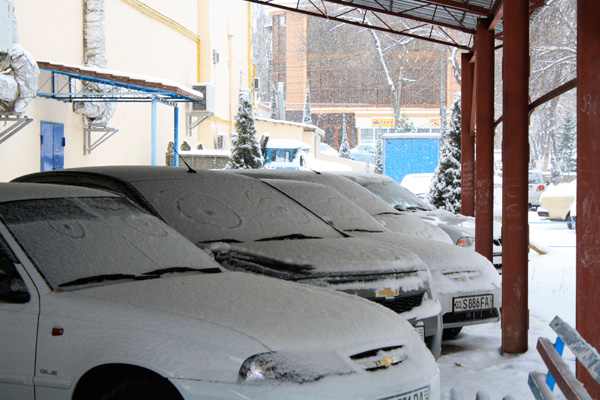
x=190, y=169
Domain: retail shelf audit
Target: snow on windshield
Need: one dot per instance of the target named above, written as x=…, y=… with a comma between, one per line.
x=110, y=235
x=396, y=196
x=329, y=204
x=210, y=209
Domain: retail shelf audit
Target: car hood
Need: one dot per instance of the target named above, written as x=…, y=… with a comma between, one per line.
x=314, y=258
x=413, y=225
x=458, y=221
x=446, y=262
x=277, y=314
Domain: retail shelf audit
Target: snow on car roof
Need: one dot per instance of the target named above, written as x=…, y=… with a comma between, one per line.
x=30, y=191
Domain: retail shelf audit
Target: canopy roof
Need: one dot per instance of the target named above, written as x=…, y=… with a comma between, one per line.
x=440, y=21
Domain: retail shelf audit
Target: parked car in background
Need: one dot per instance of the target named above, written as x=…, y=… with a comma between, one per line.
x=466, y=283
x=326, y=149
x=418, y=184
x=537, y=186
x=556, y=201
x=249, y=226
x=460, y=228
x=572, y=218
x=101, y=300
x=364, y=153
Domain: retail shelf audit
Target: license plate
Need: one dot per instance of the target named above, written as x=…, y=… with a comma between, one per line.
x=419, y=394
x=470, y=303
x=421, y=331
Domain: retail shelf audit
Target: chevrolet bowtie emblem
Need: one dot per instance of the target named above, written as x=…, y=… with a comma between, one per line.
x=386, y=362
x=388, y=293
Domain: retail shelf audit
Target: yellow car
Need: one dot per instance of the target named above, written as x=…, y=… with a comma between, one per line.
x=556, y=201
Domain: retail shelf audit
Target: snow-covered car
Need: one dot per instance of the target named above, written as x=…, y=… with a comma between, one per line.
x=249, y=226
x=101, y=300
x=537, y=186
x=460, y=228
x=557, y=200
x=466, y=283
x=392, y=219
x=418, y=184
x=572, y=218
x=364, y=153
x=324, y=148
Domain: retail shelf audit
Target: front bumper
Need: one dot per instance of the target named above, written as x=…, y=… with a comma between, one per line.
x=348, y=387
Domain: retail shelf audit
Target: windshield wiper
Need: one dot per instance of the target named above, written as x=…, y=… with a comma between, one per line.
x=101, y=278
x=400, y=208
x=219, y=241
x=170, y=270
x=387, y=213
x=293, y=236
x=362, y=230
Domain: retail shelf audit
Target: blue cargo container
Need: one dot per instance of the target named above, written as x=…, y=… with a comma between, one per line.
x=410, y=153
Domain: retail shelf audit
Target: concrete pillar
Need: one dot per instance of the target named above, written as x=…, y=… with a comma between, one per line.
x=467, y=137
x=588, y=181
x=515, y=177
x=484, y=167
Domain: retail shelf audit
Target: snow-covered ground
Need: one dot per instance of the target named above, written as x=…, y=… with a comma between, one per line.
x=472, y=362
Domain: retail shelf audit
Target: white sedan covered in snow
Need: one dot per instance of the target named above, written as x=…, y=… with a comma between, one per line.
x=249, y=226
x=466, y=283
x=101, y=300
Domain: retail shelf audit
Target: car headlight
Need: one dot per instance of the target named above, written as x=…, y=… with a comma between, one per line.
x=273, y=366
x=466, y=241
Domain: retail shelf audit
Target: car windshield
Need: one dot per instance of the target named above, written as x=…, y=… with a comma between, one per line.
x=230, y=209
x=397, y=196
x=75, y=239
x=329, y=204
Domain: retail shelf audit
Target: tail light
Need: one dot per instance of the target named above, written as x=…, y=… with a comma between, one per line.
x=540, y=188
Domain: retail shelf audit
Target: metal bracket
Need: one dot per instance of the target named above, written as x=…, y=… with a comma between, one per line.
x=88, y=143
x=18, y=123
x=200, y=116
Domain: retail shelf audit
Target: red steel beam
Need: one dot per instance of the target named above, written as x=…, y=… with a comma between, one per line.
x=515, y=177
x=484, y=167
x=588, y=181
x=467, y=197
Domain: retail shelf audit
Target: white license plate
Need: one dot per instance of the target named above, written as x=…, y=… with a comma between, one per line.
x=421, y=331
x=470, y=303
x=419, y=394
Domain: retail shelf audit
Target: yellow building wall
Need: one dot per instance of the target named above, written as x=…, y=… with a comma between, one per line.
x=139, y=44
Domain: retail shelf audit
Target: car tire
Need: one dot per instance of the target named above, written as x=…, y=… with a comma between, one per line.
x=451, y=333
x=570, y=222
x=143, y=389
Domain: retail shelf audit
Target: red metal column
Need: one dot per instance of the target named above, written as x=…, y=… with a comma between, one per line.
x=588, y=181
x=515, y=161
x=467, y=197
x=484, y=166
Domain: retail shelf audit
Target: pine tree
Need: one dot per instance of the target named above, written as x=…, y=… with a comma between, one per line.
x=444, y=191
x=405, y=125
x=379, y=153
x=245, y=152
x=567, y=144
x=306, y=118
x=344, y=151
x=274, y=113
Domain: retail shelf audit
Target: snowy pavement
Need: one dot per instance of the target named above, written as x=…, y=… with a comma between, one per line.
x=472, y=362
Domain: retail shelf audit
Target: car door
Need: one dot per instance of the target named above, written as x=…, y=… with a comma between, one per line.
x=19, y=309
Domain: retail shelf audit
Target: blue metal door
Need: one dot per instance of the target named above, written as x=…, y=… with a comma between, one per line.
x=52, y=146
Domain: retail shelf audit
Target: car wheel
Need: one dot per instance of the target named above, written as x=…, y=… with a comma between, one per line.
x=451, y=333
x=143, y=389
x=570, y=222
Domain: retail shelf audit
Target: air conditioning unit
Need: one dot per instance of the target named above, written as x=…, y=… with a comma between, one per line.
x=208, y=98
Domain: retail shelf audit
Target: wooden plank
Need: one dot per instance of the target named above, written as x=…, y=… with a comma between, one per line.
x=585, y=353
x=566, y=381
x=538, y=386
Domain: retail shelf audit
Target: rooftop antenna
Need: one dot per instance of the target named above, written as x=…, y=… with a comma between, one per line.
x=190, y=169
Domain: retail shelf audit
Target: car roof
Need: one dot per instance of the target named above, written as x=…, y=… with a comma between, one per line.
x=130, y=173
x=32, y=191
